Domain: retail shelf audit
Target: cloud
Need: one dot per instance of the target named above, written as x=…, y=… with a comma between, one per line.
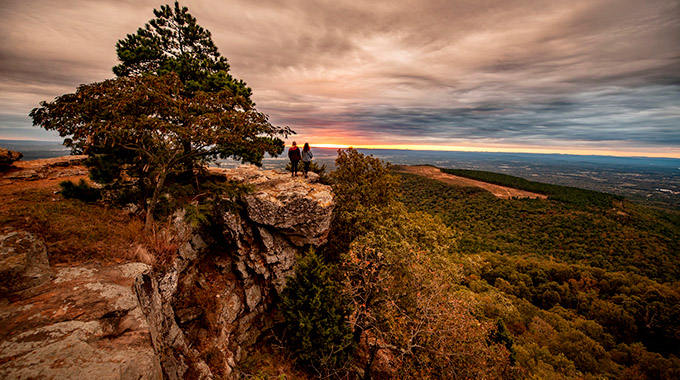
x=563, y=73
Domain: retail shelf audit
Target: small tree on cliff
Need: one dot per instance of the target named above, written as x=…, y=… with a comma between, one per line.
x=363, y=188
x=174, y=105
x=315, y=313
x=399, y=275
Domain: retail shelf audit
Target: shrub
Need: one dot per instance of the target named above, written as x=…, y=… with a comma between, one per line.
x=82, y=191
x=313, y=167
x=315, y=316
x=363, y=188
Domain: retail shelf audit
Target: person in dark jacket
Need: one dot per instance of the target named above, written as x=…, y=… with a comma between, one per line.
x=295, y=157
x=306, y=158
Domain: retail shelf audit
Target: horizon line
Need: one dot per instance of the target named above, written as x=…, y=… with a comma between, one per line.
x=527, y=150
x=458, y=148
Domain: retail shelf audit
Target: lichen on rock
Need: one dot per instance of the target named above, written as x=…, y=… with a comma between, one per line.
x=23, y=262
x=83, y=323
x=215, y=299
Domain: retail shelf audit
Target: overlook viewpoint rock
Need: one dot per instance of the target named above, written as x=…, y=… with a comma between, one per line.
x=8, y=157
x=193, y=316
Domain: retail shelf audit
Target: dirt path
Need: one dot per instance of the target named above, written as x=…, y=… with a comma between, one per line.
x=497, y=190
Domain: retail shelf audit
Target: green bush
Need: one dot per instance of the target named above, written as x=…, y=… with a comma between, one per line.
x=363, y=189
x=82, y=191
x=315, y=314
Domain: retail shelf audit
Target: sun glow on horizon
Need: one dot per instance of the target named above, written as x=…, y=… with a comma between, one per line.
x=642, y=152
x=331, y=146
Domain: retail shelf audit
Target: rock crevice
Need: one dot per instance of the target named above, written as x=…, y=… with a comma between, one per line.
x=215, y=299
x=193, y=318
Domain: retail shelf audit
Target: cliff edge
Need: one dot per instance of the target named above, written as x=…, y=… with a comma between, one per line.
x=193, y=317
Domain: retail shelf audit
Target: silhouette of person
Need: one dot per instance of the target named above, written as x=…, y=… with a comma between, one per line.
x=306, y=158
x=294, y=156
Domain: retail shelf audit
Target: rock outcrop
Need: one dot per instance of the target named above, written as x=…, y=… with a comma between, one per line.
x=23, y=262
x=193, y=317
x=84, y=323
x=58, y=167
x=8, y=157
x=214, y=300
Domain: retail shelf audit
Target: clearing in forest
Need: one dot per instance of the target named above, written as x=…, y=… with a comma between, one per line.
x=497, y=190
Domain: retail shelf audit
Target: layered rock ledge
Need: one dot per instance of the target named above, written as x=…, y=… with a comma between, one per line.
x=191, y=318
x=84, y=323
x=215, y=299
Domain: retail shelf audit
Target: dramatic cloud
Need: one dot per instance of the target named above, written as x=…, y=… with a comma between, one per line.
x=582, y=75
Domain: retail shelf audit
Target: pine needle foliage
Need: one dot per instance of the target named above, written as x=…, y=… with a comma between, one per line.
x=315, y=314
x=82, y=191
x=173, y=108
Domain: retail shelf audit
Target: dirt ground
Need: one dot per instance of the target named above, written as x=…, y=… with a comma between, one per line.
x=499, y=191
x=40, y=174
x=73, y=231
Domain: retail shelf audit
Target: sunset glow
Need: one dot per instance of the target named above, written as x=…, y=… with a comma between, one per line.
x=671, y=153
x=579, y=77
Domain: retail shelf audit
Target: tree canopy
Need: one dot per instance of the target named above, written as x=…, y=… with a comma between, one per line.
x=174, y=42
x=173, y=106
x=131, y=125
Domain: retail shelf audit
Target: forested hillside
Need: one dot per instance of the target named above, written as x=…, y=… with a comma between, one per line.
x=422, y=279
x=586, y=283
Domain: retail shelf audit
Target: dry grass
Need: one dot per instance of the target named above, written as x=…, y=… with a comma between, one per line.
x=73, y=231
x=503, y=192
x=160, y=245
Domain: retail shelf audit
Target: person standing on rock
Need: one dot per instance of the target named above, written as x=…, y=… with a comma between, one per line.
x=294, y=156
x=306, y=158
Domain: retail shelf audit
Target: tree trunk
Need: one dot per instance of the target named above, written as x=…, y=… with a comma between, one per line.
x=154, y=199
x=187, y=163
x=373, y=350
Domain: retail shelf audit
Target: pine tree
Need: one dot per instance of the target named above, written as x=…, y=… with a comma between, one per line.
x=174, y=106
x=173, y=42
x=315, y=314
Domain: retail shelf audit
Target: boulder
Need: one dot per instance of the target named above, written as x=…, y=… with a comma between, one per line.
x=295, y=206
x=23, y=262
x=85, y=323
x=8, y=157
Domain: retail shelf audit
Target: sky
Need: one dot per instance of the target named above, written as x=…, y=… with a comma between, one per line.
x=577, y=76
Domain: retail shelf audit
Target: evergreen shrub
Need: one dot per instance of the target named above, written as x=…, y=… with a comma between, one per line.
x=82, y=191
x=315, y=314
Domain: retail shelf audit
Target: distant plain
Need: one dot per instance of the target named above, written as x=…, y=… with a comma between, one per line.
x=652, y=181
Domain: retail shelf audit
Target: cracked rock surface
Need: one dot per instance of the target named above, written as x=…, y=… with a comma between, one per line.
x=85, y=323
x=217, y=297
x=192, y=319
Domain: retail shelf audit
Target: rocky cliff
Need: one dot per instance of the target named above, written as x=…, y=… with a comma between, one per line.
x=7, y=157
x=193, y=317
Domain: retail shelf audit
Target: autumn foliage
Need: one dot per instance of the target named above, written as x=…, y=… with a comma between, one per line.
x=173, y=108
x=409, y=318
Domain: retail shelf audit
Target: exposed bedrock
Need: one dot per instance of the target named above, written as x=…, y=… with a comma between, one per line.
x=214, y=300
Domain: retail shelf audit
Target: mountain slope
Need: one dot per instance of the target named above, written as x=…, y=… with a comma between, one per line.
x=586, y=283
